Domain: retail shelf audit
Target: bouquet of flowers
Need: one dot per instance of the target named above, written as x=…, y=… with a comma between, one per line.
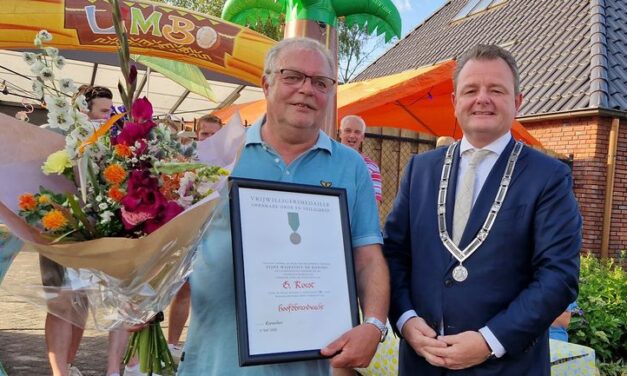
x=133, y=204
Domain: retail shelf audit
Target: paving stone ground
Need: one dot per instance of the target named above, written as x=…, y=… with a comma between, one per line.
x=22, y=344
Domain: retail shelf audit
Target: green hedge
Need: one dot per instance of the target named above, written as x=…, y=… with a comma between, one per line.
x=602, y=321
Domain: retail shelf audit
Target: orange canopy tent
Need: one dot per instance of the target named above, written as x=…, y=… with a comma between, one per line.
x=417, y=100
x=248, y=112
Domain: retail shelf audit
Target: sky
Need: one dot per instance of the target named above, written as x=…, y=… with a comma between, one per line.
x=414, y=12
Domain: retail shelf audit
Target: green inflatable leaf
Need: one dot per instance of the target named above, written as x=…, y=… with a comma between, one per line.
x=380, y=16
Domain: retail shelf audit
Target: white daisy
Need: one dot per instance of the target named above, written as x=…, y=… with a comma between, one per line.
x=106, y=216
x=38, y=88
x=44, y=35
x=57, y=103
x=82, y=103
x=67, y=85
x=59, y=61
x=59, y=119
x=52, y=51
x=37, y=67
x=30, y=58
x=46, y=74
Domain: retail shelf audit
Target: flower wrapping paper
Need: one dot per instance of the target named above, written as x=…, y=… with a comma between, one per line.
x=124, y=280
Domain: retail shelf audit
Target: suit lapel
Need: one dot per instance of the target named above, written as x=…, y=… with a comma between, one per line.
x=451, y=191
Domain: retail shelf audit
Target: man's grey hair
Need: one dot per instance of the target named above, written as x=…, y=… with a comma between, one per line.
x=488, y=52
x=353, y=118
x=270, y=63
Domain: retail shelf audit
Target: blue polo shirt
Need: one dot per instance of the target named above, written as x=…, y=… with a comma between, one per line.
x=211, y=346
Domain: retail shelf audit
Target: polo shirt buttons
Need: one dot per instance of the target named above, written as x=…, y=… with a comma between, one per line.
x=448, y=282
x=287, y=172
x=276, y=160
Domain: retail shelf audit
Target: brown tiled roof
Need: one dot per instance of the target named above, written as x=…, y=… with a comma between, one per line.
x=572, y=54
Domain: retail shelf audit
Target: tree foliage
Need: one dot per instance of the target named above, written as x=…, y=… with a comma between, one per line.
x=214, y=8
x=211, y=7
x=356, y=49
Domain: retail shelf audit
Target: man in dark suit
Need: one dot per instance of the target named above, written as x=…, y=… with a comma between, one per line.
x=483, y=240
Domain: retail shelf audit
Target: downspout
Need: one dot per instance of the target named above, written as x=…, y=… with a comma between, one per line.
x=599, y=99
x=609, y=188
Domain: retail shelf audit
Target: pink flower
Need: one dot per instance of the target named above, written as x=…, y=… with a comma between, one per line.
x=132, y=76
x=171, y=210
x=141, y=110
x=144, y=206
x=140, y=126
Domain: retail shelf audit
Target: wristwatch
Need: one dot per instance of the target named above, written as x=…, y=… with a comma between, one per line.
x=492, y=355
x=381, y=326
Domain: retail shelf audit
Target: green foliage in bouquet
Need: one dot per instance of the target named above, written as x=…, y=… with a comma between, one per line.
x=602, y=323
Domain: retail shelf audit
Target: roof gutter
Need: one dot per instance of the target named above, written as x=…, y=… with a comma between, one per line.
x=586, y=112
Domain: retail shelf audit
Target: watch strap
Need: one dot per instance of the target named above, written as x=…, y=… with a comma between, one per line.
x=379, y=325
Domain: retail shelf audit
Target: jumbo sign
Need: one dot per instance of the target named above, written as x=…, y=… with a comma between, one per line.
x=166, y=29
x=155, y=30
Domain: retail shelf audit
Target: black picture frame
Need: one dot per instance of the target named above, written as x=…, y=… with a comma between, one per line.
x=239, y=185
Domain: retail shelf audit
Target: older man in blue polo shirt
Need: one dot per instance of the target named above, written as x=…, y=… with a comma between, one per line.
x=287, y=145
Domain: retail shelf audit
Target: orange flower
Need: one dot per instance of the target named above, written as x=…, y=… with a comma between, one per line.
x=170, y=185
x=44, y=200
x=114, y=174
x=123, y=150
x=54, y=220
x=27, y=202
x=116, y=194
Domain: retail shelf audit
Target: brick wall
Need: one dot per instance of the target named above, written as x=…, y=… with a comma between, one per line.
x=587, y=139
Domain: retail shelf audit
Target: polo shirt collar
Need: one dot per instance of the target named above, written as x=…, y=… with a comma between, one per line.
x=253, y=136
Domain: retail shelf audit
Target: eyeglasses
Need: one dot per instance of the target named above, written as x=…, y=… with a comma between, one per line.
x=295, y=78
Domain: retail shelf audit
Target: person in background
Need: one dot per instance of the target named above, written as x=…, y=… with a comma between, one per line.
x=287, y=145
x=444, y=141
x=352, y=133
x=558, y=329
x=207, y=126
x=482, y=309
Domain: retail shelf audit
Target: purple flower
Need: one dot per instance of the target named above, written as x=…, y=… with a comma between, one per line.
x=132, y=74
x=140, y=126
x=144, y=206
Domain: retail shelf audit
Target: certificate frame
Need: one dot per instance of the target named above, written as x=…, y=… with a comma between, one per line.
x=253, y=261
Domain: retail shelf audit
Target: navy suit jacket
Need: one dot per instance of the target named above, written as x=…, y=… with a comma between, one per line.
x=523, y=276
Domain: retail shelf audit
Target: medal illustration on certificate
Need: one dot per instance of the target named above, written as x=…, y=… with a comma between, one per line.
x=460, y=272
x=294, y=221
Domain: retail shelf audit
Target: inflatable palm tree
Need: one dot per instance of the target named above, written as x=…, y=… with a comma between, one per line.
x=317, y=19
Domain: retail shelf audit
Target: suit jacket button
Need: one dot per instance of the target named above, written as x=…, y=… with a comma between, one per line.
x=448, y=282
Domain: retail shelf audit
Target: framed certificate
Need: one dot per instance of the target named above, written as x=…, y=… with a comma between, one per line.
x=294, y=275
